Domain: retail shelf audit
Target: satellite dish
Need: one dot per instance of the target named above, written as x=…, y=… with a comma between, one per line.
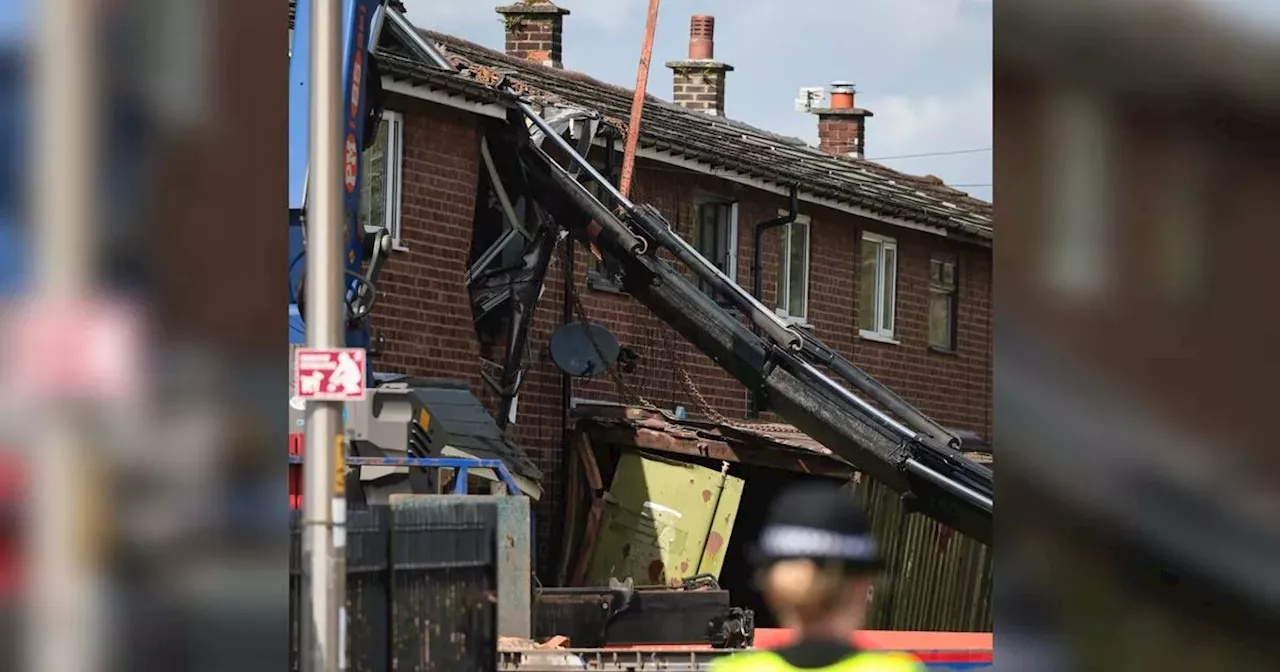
x=583, y=349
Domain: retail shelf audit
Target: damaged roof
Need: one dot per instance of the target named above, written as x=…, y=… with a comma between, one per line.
x=719, y=143
x=766, y=444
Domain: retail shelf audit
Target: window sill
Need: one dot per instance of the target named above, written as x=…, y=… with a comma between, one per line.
x=878, y=338
x=797, y=322
x=952, y=352
x=397, y=246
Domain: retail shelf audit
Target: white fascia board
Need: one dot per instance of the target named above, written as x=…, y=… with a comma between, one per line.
x=441, y=97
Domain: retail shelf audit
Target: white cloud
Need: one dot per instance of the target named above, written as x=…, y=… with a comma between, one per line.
x=930, y=123
x=431, y=13
x=609, y=15
x=614, y=15
x=906, y=56
x=895, y=27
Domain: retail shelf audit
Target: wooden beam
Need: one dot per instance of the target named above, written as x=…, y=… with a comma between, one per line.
x=572, y=502
x=594, y=515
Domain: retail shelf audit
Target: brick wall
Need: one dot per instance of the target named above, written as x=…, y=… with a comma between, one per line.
x=842, y=132
x=426, y=319
x=423, y=310
x=1173, y=317
x=699, y=85
x=535, y=31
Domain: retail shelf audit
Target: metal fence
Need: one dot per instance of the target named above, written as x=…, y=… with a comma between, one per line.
x=936, y=579
x=421, y=584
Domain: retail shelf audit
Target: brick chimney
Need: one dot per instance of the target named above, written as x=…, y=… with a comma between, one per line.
x=699, y=80
x=535, y=30
x=842, y=125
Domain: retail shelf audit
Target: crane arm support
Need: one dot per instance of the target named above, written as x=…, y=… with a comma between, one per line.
x=943, y=484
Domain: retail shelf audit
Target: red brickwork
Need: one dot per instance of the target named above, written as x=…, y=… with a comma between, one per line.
x=425, y=317
x=840, y=134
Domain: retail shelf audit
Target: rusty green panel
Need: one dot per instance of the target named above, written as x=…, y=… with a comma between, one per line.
x=726, y=514
x=657, y=519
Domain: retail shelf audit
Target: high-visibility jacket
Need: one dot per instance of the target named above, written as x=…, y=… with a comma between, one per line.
x=867, y=661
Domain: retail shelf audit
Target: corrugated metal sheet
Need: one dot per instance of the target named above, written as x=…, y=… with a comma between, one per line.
x=936, y=580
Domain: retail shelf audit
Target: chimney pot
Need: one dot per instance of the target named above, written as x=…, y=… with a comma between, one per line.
x=842, y=95
x=702, y=37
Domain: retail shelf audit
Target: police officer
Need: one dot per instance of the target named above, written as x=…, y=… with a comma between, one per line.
x=816, y=562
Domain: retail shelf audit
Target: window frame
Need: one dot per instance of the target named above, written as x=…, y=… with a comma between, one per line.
x=954, y=293
x=881, y=333
x=598, y=278
x=393, y=219
x=731, y=250
x=784, y=270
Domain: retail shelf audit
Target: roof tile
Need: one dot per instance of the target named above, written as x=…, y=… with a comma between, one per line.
x=728, y=144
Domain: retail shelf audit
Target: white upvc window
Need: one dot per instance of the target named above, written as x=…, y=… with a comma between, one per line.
x=382, y=178
x=793, y=271
x=878, y=286
x=715, y=234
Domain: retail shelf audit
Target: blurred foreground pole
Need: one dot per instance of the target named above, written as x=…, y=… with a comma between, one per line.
x=65, y=633
x=324, y=508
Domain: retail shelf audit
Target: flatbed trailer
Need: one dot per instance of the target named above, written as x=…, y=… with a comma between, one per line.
x=941, y=651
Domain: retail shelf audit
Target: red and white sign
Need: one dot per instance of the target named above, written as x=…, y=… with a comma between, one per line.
x=350, y=159
x=64, y=350
x=329, y=375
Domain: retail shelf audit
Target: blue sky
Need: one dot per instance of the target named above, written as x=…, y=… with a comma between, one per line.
x=922, y=66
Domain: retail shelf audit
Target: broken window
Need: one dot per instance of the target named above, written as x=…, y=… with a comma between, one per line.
x=381, y=178
x=603, y=274
x=942, y=302
x=715, y=235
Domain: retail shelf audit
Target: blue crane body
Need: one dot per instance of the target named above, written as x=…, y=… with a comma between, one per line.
x=361, y=22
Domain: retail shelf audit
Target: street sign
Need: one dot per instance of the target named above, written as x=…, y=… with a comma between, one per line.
x=337, y=374
x=58, y=351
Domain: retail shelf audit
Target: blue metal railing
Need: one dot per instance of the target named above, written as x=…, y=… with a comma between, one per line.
x=461, y=464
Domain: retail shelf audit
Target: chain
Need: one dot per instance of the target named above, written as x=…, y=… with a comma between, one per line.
x=626, y=390
x=710, y=412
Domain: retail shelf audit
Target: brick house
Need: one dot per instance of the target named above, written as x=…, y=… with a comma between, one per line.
x=892, y=270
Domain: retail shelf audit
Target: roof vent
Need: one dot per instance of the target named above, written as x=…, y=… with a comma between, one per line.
x=702, y=37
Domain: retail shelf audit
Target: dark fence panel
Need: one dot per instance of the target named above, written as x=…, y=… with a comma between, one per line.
x=421, y=583
x=368, y=590
x=444, y=599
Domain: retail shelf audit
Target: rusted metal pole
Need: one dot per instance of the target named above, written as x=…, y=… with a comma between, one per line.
x=637, y=103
